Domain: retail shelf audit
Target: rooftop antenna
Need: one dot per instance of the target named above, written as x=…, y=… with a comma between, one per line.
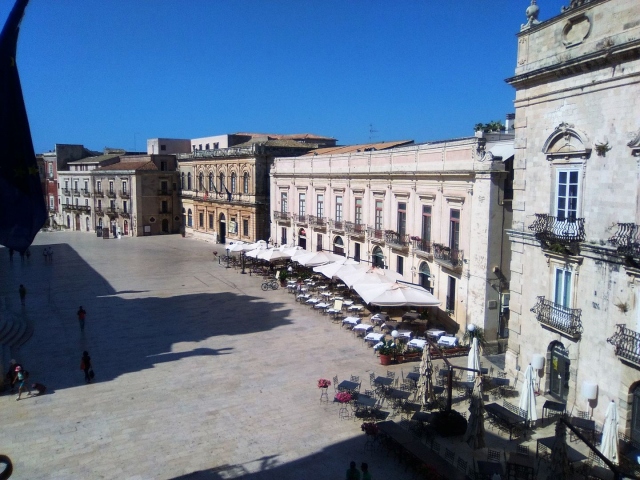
x=371, y=132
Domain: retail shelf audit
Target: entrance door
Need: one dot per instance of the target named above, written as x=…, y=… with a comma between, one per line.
x=165, y=225
x=377, y=258
x=425, y=276
x=302, y=238
x=87, y=223
x=68, y=221
x=222, y=229
x=126, y=227
x=635, y=418
x=77, y=222
x=560, y=363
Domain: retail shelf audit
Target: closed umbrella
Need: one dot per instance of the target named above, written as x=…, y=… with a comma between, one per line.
x=559, y=467
x=473, y=360
x=528, y=395
x=474, y=436
x=609, y=445
x=395, y=295
x=425, y=382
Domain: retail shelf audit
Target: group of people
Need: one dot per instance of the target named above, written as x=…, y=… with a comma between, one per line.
x=47, y=253
x=354, y=474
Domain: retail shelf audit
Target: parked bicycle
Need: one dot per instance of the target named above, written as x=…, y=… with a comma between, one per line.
x=270, y=285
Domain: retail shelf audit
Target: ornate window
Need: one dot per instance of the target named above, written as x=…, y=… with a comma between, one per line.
x=233, y=182
x=245, y=182
x=567, y=142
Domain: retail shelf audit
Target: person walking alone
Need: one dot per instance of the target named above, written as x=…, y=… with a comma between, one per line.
x=21, y=377
x=81, y=316
x=85, y=364
x=23, y=293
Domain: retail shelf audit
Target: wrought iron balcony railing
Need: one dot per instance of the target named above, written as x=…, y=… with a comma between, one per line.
x=336, y=225
x=423, y=246
x=281, y=216
x=562, y=319
x=626, y=239
x=76, y=192
x=552, y=230
x=627, y=343
x=317, y=221
x=299, y=218
x=448, y=256
x=397, y=239
x=83, y=208
x=112, y=211
x=124, y=193
x=99, y=211
x=125, y=214
x=111, y=194
x=85, y=192
x=98, y=194
x=356, y=229
x=66, y=191
x=376, y=234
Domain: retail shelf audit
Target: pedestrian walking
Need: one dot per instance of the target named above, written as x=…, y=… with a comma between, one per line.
x=365, y=471
x=21, y=378
x=353, y=473
x=12, y=373
x=81, y=316
x=85, y=364
x=23, y=293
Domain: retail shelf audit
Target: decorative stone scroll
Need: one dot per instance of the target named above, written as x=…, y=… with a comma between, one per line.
x=576, y=30
x=567, y=142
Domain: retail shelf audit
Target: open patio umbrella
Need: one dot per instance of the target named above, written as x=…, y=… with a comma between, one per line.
x=609, y=445
x=559, y=467
x=238, y=247
x=271, y=254
x=254, y=253
x=252, y=246
x=294, y=251
x=313, y=259
x=329, y=270
x=474, y=436
x=370, y=275
x=528, y=395
x=473, y=360
x=395, y=295
x=425, y=383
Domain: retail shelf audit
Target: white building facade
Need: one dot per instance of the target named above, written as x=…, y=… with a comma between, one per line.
x=432, y=212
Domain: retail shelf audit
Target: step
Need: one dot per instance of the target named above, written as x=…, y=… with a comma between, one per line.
x=17, y=330
x=8, y=331
x=5, y=325
x=25, y=337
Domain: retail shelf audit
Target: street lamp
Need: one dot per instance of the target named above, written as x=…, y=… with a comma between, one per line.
x=227, y=257
x=242, y=257
x=395, y=336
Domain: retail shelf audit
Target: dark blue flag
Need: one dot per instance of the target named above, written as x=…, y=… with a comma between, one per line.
x=22, y=208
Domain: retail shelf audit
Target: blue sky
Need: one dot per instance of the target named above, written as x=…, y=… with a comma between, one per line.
x=116, y=72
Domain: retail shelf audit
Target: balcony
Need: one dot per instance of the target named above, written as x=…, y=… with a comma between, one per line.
x=558, y=234
x=448, y=257
x=627, y=344
x=66, y=191
x=125, y=214
x=424, y=247
x=85, y=192
x=165, y=192
x=376, y=235
x=299, y=218
x=164, y=211
x=76, y=192
x=355, y=229
x=112, y=212
x=83, y=208
x=562, y=319
x=396, y=240
x=318, y=222
x=282, y=217
x=111, y=194
x=98, y=194
x=99, y=211
x=337, y=225
x=626, y=239
x=124, y=194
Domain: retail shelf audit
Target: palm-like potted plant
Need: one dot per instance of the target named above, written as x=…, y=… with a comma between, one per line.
x=386, y=351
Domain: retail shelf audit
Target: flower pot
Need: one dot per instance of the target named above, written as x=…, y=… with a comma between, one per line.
x=385, y=359
x=400, y=358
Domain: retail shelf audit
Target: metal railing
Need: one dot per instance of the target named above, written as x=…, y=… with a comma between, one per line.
x=124, y=193
x=447, y=255
x=559, y=318
x=357, y=229
x=299, y=218
x=317, y=221
x=336, y=225
x=626, y=239
x=83, y=208
x=66, y=191
x=376, y=234
x=99, y=193
x=552, y=230
x=395, y=238
x=111, y=194
x=85, y=192
x=281, y=216
x=423, y=246
x=626, y=343
x=76, y=192
x=112, y=211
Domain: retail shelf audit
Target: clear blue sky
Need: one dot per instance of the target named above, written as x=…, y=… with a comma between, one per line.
x=116, y=72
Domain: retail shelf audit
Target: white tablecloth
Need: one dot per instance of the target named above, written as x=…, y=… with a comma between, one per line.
x=405, y=333
x=448, y=341
x=373, y=337
x=363, y=326
x=435, y=333
x=351, y=320
x=417, y=343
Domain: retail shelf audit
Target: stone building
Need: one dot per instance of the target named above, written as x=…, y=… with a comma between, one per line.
x=225, y=190
x=432, y=212
x=575, y=298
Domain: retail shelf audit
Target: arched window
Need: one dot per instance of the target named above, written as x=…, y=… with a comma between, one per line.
x=189, y=218
x=233, y=182
x=221, y=182
x=201, y=181
x=182, y=180
x=245, y=182
x=377, y=258
x=425, y=276
x=338, y=246
x=211, y=189
x=189, y=181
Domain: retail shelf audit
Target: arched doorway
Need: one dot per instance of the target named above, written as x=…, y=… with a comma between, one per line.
x=126, y=227
x=425, y=276
x=87, y=223
x=302, y=238
x=338, y=246
x=165, y=225
x=377, y=258
x=68, y=222
x=100, y=222
x=222, y=229
x=559, y=371
x=77, y=222
x=635, y=413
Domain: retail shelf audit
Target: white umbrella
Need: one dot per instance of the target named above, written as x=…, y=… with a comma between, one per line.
x=331, y=269
x=271, y=254
x=313, y=259
x=474, y=436
x=609, y=445
x=528, y=395
x=473, y=360
x=395, y=295
x=237, y=247
x=253, y=246
x=254, y=253
x=370, y=275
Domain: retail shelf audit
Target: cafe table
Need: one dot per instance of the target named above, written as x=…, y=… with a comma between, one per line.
x=348, y=386
x=383, y=381
x=435, y=333
x=573, y=454
x=505, y=417
x=520, y=466
x=410, y=316
x=373, y=337
x=550, y=405
x=405, y=334
x=396, y=432
x=415, y=376
x=417, y=343
x=588, y=427
x=352, y=321
x=362, y=328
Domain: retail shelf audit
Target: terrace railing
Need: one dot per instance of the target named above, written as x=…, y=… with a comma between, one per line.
x=626, y=239
x=552, y=230
x=448, y=256
x=563, y=319
x=355, y=229
x=627, y=344
x=399, y=240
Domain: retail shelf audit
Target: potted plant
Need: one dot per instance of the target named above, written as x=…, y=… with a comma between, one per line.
x=400, y=349
x=282, y=276
x=386, y=351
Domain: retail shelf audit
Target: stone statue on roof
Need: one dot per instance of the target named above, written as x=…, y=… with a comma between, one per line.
x=532, y=13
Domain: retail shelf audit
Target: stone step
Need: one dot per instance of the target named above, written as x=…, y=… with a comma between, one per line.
x=16, y=332
x=25, y=337
x=8, y=331
x=5, y=325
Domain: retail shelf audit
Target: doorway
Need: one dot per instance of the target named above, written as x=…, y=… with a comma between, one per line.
x=126, y=227
x=165, y=225
x=87, y=223
x=559, y=375
x=425, y=276
x=222, y=229
x=302, y=239
x=377, y=258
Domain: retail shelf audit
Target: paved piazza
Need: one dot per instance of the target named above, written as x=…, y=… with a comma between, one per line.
x=199, y=374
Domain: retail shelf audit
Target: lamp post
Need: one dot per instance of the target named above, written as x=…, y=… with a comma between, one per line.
x=395, y=336
x=242, y=257
x=590, y=392
x=227, y=257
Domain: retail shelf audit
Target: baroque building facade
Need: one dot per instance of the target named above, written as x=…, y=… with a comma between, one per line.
x=575, y=281
x=432, y=212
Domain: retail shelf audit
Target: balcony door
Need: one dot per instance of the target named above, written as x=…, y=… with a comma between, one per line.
x=560, y=364
x=377, y=258
x=425, y=276
x=635, y=416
